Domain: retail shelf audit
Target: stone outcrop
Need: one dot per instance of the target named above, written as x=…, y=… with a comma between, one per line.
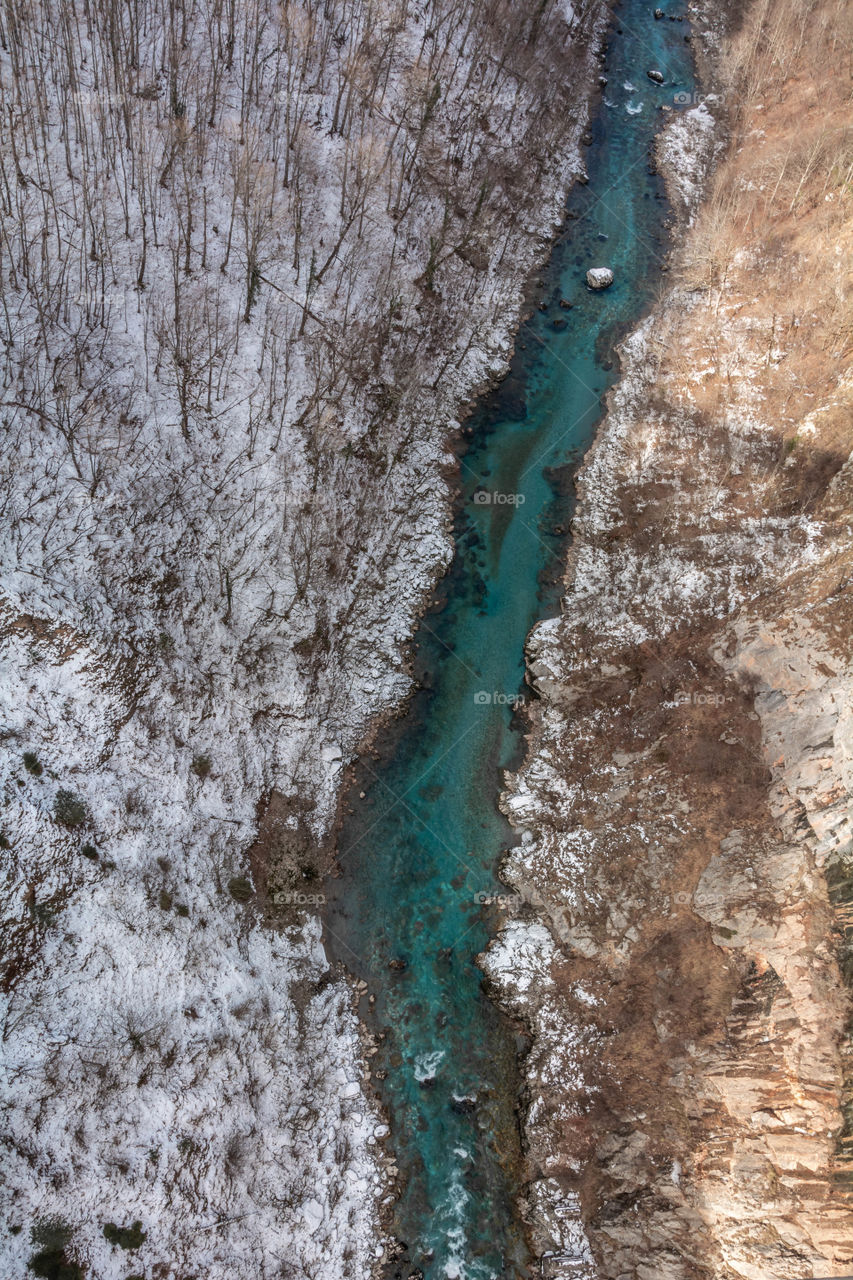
x=599, y=277
x=684, y=810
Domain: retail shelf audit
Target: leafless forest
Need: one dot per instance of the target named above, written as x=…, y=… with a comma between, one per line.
x=253, y=261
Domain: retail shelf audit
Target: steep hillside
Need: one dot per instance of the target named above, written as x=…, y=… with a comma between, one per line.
x=684, y=809
x=254, y=259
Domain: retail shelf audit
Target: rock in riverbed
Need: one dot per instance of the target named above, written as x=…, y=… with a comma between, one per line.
x=599, y=277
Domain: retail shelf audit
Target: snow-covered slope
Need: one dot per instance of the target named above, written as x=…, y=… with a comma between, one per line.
x=254, y=260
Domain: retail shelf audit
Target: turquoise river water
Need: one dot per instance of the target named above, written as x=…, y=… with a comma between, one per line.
x=423, y=845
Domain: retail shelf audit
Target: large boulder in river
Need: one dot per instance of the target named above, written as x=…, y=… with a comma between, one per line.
x=599, y=277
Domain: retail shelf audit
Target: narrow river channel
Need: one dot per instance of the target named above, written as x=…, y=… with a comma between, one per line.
x=420, y=850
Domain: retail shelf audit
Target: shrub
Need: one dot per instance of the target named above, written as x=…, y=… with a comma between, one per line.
x=69, y=808
x=49, y=1261
x=201, y=765
x=44, y=913
x=31, y=764
x=165, y=900
x=89, y=851
x=125, y=1237
x=135, y=802
x=182, y=909
x=240, y=888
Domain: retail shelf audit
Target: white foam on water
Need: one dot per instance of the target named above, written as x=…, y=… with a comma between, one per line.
x=453, y=1209
x=426, y=1065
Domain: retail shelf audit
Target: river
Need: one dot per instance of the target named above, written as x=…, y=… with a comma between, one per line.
x=420, y=850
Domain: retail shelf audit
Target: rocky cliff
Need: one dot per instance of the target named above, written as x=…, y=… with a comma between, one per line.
x=684, y=811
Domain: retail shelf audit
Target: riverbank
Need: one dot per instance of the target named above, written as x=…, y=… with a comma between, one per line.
x=417, y=895
x=684, y=806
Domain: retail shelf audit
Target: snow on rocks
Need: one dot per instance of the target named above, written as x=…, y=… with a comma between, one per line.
x=686, y=150
x=520, y=956
x=599, y=277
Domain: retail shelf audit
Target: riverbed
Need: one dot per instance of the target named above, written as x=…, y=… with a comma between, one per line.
x=418, y=896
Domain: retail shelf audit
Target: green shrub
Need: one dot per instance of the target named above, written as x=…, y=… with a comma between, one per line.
x=201, y=765
x=182, y=909
x=165, y=900
x=52, y=1235
x=240, y=888
x=31, y=764
x=125, y=1237
x=69, y=808
x=89, y=851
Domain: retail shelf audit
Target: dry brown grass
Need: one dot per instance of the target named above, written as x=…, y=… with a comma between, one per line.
x=783, y=42
x=773, y=244
x=786, y=79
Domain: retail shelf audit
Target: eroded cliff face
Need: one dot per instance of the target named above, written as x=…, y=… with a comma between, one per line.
x=684, y=809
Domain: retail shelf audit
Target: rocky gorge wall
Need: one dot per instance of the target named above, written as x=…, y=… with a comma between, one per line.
x=684, y=811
